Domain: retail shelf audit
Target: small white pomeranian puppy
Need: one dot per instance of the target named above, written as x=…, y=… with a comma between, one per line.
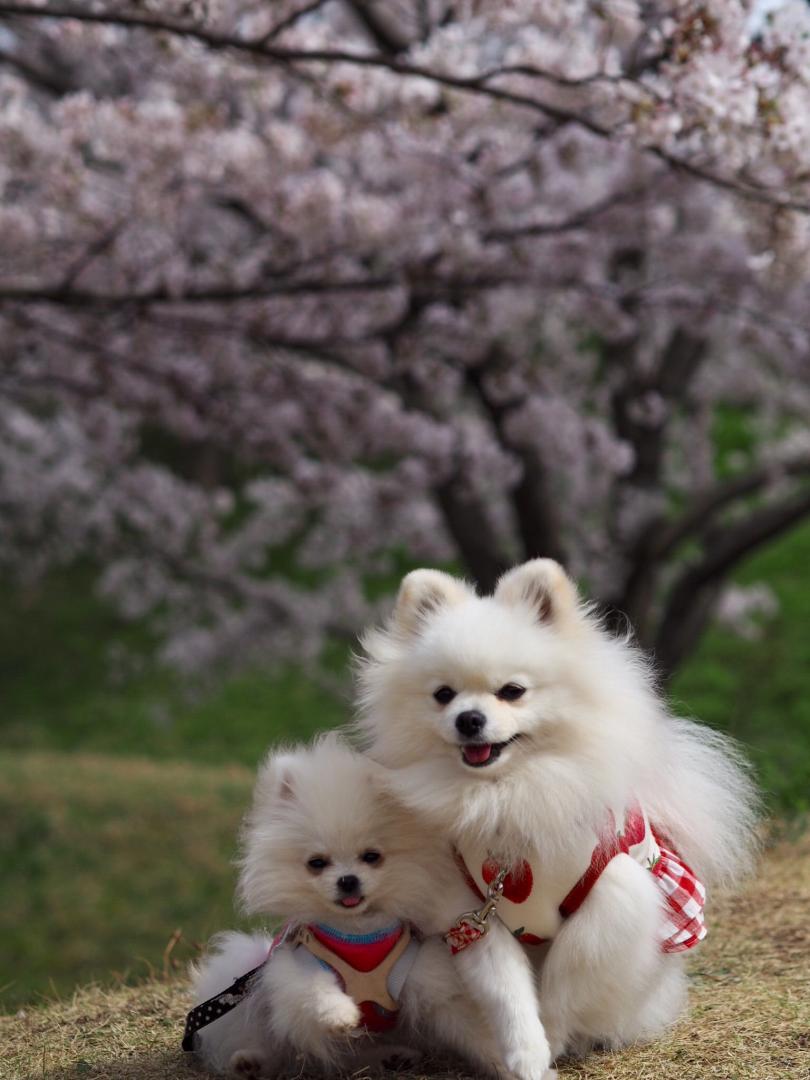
x=356, y=882
x=537, y=742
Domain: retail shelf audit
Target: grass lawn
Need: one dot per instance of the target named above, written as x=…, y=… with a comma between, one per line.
x=749, y=1017
x=121, y=788
x=103, y=859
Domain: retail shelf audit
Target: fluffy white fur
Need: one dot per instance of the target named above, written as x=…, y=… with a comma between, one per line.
x=330, y=802
x=590, y=732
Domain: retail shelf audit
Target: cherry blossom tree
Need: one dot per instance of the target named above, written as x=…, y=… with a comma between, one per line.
x=295, y=293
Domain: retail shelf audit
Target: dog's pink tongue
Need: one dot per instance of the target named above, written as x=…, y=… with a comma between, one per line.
x=351, y=901
x=477, y=755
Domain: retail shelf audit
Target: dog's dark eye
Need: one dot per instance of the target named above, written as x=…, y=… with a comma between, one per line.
x=371, y=856
x=511, y=692
x=317, y=863
x=444, y=695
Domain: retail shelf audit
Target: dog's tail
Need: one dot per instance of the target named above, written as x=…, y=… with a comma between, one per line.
x=704, y=800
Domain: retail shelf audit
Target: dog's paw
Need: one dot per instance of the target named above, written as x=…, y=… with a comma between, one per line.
x=248, y=1064
x=559, y=1047
x=339, y=1016
x=525, y=1064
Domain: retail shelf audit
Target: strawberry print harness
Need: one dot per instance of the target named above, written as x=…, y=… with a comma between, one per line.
x=534, y=905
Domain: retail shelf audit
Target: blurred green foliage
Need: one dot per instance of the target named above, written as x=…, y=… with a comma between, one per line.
x=76, y=676
x=759, y=690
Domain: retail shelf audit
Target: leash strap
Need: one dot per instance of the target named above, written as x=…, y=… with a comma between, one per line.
x=206, y=1013
x=220, y=1004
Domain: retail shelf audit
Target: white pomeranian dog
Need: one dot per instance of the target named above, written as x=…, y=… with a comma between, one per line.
x=538, y=744
x=359, y=968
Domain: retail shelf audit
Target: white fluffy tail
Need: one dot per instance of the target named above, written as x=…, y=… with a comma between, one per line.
x=232, y=954
x=704, y=798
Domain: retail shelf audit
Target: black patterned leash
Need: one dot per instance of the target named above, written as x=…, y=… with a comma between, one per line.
x=206, y=1013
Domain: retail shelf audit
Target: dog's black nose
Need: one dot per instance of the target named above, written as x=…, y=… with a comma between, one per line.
x=470, y=723
x=348, y=884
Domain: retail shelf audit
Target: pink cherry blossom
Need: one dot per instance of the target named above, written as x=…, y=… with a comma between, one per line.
x=290, y=292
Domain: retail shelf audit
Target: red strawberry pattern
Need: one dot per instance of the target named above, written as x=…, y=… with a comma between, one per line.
x=518, y=883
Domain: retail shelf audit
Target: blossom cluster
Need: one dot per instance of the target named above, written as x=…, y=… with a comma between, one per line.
x=290, y=292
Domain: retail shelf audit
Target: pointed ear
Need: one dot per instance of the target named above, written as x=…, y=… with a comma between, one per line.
x=277, y=778
x=423, y=593
x=541, y=585
x=286, y=791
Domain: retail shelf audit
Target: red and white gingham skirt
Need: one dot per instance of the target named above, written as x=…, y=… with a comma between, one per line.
x=684, y=901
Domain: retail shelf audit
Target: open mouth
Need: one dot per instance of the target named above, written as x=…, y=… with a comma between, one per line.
x=351, y=901
x=479, y=755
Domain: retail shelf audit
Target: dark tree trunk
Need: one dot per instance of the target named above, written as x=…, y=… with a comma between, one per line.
x=470, y=527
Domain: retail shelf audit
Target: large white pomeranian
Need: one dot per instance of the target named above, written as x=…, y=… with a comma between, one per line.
x=537, y=742
x=328, y=851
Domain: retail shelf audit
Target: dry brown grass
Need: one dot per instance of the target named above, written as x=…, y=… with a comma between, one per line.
x=749, y=1016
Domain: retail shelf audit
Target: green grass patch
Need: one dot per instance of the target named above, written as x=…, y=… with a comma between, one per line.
x=103, y=859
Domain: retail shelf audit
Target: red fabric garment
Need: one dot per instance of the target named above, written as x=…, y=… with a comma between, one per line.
x=607, y=849
x=685, y=899
x=374, y=1017
x=363, y=952
x=684, y=894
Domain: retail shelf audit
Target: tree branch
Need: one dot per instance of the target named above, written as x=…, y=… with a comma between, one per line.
x=577, y=220
x=49, y=81
x=661, y=537
x=532, y=499
x=699, y=515
x=671, y=380
x=85, y=298
x=284, y=24
x=472, y=533
x=467, y=521
x=65, y=296
x=385, y=36
x=474, y=84
x=684, y=634
x=678, y=628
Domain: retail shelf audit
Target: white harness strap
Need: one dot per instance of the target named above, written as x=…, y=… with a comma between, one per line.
x=402, y=968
